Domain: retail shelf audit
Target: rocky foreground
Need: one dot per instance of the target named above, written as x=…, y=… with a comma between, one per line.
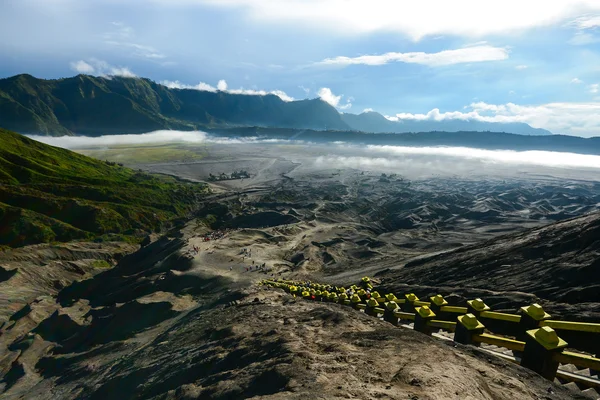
x=164, y=325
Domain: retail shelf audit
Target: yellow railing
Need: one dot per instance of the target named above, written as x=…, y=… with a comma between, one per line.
x=572, y=326
x=421, y=303
x=446, y=325
x=337, y=294
x=499, y=341
x=500, y=316
x=579, y=360
x=404, y=315
x=513, y=318
x=454, y=309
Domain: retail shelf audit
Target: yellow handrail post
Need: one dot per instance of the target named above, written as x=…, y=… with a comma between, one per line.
x=365, y=283
x=531, y=318
x=333, y=297
x=409, y=304
x=372, y=304
x=476, y=306
x=378, y=298
x=344, y=299
x=422, y=316
x=356, y=300
x=541, y=345
x=388, y=314
x=467, y=327
x=437, y=302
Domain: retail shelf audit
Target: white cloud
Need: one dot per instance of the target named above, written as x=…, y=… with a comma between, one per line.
x=97, y=67
x=79, y=142
x=327, y=96
x=576, y=81
x=581, y=119
x=594, y=88
x=582, y=26
x=121, y=35
x=425, y=162
x=222, y=86
x=521, y=67
x=586, y=22
x=534, y=157
x=82, y=67
x=581, y=39
x=472, y=18
x=445, y=57
x=122, y=71
x=366, y=110
x=139, y=49
x=305, y=89
x=398, y=154
x=119, y=30
x=480, y=43
x=161, y=136
x=178, y=85
x=279, y=93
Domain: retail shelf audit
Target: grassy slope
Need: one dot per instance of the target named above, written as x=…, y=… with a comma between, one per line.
x=51, y=194
x=147, y=153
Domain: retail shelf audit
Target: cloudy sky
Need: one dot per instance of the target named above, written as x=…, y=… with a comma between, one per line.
x=527, y=61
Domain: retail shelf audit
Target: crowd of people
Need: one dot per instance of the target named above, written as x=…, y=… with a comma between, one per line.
x=245, y=252
x=216, y=235
x=251, y=268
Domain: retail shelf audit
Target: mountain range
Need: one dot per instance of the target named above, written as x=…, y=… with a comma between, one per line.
x=373, y=122
x=88, y=105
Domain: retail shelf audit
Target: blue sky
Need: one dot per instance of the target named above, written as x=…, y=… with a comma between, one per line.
x=528, y=61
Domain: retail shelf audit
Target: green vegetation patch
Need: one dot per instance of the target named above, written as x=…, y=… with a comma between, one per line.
x=48, y=194
x=100, y=264
x=147, y=154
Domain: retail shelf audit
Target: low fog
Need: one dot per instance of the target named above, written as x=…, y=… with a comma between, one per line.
x=410, y=161
x=156, y=137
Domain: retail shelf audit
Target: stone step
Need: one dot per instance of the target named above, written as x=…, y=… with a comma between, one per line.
x=490, y=347
x=558, y=381
x=568, y=368
x=572, y=386
x=584, y=372
x=591, y=392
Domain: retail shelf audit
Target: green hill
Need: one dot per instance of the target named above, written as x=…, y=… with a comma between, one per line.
x=88, y=105
x=51, y=194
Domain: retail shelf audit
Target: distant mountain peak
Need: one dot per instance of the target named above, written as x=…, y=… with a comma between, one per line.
x=375, y=122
